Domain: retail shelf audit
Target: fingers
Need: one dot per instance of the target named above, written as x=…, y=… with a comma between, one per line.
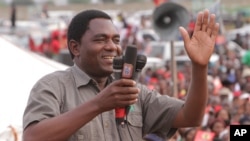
x=128, y=90
x=212, y=27
x=125, y=89
x=127, y=103
x=198, y=22
x=205, y=20
x=184, y=35
x=211, y=24
x=129, y=97
x=215, y=32
x=125, y=82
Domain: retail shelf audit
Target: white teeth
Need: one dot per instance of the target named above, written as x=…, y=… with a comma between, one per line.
x=108, y=57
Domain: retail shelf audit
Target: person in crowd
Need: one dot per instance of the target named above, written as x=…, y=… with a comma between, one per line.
x=79, y=103
x=55, y=42
x=44, y=48
x=238, y=39
x=13, y=12
x=44, y=13
x=189, y=134
x=218, y=126
x=239, y=22
x=224, y=115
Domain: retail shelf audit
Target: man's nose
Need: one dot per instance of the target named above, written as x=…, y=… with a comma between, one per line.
x=111, y=45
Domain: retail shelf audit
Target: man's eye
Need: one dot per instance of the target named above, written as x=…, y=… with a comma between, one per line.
x=100, y=40
x=117, y=41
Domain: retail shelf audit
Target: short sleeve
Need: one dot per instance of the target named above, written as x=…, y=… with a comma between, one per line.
x=159, y=112
x=43, y=103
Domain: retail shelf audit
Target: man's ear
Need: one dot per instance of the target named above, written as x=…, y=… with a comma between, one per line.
x=74, y=47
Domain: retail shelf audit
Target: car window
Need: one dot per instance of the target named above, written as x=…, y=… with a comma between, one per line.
x=156, y=51
x=163, y=50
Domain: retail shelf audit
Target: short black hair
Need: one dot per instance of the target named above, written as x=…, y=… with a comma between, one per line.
x=80, y=22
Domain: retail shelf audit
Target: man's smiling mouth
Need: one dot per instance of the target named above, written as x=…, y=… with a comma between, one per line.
x=109, y=57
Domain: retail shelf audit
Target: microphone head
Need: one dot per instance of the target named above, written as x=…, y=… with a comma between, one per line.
x=129, y=62
x=140, y=61
x=118, y=62
x=130, y=54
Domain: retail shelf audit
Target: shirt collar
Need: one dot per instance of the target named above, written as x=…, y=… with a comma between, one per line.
x=81, y=78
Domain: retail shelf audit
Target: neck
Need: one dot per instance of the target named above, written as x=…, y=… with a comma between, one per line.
x=101, y=82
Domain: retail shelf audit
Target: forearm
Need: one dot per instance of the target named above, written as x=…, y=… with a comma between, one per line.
x=197, y=95
x=60, y=128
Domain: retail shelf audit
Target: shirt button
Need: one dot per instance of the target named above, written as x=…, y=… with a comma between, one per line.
x=106, y=125
x=80, y=137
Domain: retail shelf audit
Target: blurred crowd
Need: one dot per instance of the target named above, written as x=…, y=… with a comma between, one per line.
x=228, y=78
x=228, y=83
x=51, y=45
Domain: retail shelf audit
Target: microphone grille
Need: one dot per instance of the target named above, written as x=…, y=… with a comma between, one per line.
x=118, y=62
x=140, y=61
x=130, y=54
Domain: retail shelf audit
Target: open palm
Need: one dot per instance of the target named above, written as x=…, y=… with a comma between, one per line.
x=200, y=47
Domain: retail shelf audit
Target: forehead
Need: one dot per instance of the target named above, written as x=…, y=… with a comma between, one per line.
x=102, y=26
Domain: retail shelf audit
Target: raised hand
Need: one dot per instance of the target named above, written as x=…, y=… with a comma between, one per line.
x=201, y=45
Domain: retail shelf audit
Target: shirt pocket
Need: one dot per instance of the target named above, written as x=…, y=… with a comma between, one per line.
x=135, y=119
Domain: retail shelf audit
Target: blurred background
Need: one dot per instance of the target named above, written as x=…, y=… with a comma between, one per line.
x=33, y=43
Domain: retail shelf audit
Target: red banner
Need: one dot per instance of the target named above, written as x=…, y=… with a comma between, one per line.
x=159, y=2
x=204, y=136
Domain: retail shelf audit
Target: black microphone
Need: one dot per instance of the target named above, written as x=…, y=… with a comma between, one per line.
x=117, y=67
x=117, y=73
x=129, y=62
x=128, y=69
x=141, y=61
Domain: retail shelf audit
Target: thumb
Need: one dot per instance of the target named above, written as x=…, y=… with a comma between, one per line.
x=184, y=35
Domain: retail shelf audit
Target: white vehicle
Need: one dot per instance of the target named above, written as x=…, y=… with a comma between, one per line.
x=163, y=49
x=154, y=63
x=160, y=54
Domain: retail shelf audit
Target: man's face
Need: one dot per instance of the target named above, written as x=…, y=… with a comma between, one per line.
x=98, y=47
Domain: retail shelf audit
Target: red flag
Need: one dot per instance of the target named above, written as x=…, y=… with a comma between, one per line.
x=204, y=136
x=32, y=45
x=159, y=2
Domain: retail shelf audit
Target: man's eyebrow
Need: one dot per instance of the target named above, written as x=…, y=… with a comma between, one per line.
x=105, y=35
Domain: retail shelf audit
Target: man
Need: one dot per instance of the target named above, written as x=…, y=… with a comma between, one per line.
x=78, y=104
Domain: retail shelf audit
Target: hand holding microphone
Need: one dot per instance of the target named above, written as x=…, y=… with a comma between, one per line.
x=128, y=67
x=122, y=92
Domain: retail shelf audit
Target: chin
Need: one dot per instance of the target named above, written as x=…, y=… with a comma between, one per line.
x=107, y=72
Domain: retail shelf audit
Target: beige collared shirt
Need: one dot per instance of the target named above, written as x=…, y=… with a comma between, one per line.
x=61, y=91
